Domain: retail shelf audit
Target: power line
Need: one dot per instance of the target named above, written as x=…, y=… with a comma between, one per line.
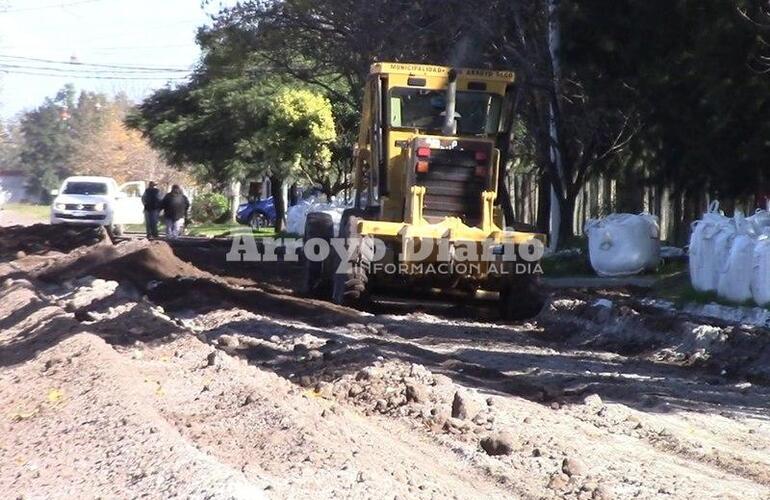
x=94, y=65
x=90, y=77
x=107, y=51
x=87, y=48
x=87, y=77
x=133, y=34
x=88, y=70
x=44, y=7
x=139, y=47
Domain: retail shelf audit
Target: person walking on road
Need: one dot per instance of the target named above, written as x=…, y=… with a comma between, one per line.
x=151, y=199
x=175, y=206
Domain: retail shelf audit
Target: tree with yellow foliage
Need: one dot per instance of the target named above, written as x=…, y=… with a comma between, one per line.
x=116, y=151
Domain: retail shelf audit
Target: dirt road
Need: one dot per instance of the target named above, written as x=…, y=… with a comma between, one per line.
x=139, y=369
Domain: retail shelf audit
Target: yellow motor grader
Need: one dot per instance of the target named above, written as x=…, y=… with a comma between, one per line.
x=426, y=178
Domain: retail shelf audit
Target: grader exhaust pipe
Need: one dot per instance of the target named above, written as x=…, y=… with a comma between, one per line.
x=450, y=124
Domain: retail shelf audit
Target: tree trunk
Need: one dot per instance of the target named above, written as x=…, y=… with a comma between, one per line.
x=544, y=204
x=567, y=209
x=504, y=145
x=630, y=194
x=293, y=198
x=504, y=198
x=728, y=205
x=279, y=200
x=677, y=216
x=235, y=198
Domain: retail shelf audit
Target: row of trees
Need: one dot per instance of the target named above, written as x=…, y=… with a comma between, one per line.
x=236, y=127
x=79, y=133
x=670, y=91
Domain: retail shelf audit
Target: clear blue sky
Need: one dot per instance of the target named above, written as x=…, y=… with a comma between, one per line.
x=146, y=33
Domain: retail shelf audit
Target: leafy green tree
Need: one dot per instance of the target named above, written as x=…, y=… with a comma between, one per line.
x=204, y=125
x=49, y=142
x=89, y=116
x=295, y=141
x=691, y=71
x=231, y=128
x=233, y=48
x=52, y=134
x=10, y=141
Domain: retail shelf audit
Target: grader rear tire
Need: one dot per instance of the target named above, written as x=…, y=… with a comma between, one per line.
x=317, y=276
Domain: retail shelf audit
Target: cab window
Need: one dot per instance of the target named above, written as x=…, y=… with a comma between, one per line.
x=85, y=188
x=477, y=113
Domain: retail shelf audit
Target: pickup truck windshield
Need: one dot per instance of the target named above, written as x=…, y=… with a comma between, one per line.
x=477, y=113
x=85, y=188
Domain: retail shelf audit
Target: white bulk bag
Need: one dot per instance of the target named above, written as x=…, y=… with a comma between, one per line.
x=723, y=243
x=760, y=281
x=296, y=216
x=623, y=244
x=760, y=221
x=694, y=251
x=735, y=275
x=706, y=248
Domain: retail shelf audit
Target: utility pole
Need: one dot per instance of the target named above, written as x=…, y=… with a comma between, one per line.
x=554, y=48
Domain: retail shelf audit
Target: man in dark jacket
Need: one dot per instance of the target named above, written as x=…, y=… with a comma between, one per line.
x=175, y=206
x=151, y=199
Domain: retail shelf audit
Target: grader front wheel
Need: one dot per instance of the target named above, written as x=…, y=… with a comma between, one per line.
x=522, y=298
x=351, y=280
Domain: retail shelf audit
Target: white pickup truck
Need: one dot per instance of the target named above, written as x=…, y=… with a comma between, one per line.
x=98, y=201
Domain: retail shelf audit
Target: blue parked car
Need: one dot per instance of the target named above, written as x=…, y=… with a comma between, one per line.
x=256, y=213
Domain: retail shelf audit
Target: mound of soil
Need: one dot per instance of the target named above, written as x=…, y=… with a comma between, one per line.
x=43, y=238
x=155, y=262
x=139, y=262
x=214, y=293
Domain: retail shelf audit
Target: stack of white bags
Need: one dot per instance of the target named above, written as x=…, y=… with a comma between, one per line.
x=297, y=215
x=731, y=256
x=623, y=244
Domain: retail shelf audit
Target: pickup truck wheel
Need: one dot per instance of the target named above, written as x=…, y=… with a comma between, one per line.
x=258, y=221
x=316, y=279
x=115, y=230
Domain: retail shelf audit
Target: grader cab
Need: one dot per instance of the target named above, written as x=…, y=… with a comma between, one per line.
x=426, y=180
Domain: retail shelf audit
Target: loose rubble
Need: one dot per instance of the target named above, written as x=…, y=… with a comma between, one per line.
x=113, y=386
